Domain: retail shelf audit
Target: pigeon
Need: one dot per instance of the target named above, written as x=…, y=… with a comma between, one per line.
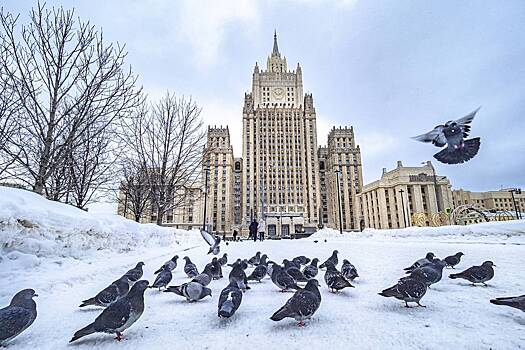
x=269, y=269
x=205, y=277
x=238, y=276
x=409, y=289
x=258, y=273
x=421, y=262
x=254, y=260
x=229, y=300
x=287, y=264
x=310, y=271
x=348, y=270
x=282, y=279
x=18, y=316
x=190, y=269
x=302, y=260
x=238, y=261
x=334, y=279
x=430, y=273
x=215, y=269
x=118, y=316
x=333, y=259
x=163, y=279
x=135, y=273
x=293, y=271
x=224, y=260
x=213, y=241
x=170, y=264
x=192, y=291
x=302, y=305
x=515, y=302
x=477, y=274
x=110, y=294
x=453, y=135
x=453, y=260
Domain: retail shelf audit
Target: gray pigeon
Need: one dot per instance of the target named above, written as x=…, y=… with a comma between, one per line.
x=213, y=241
x=108, y=295
x=258, y=273
x=192, y=291
x=332, y=258
x=238, y=261
x=135, y=273
x=282, y=279
x=118, y=316
x=170, y=264
x=205, y=277
x=453, y=135
x=302, y=260
x=515, y=302
x=293, y=271
x=310, y=271
x=477, y=274
x=430, y=273
x=421, y=262
x=348, y=270
x=287, y=264
x=269, y=269
x=302, y=305
x=216, y=269
x=229, y=300
x=254, y=260
x=453, y=260
x=238, y=276
x=18, y=316
x=334, y=279
x=163, y=279
x=409, y=289
x=190, y=269
x=224, y=260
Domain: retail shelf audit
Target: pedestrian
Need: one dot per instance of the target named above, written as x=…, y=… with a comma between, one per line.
x=261, y=229
x=235, y=233
x=253, y=230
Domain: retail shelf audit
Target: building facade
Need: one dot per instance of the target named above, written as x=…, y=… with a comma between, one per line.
x=406, y=196
x=501, y=200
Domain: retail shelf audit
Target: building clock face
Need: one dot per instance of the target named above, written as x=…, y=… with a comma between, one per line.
x=278, y=93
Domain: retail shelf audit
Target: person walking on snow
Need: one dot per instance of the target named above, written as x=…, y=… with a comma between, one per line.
x=261, y=228
x=253, y=230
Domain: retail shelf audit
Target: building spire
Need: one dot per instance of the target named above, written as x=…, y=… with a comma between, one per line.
x=275, y=51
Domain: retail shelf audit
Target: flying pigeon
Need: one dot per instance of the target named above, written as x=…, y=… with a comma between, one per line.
x=409, y=289
x=254, y=260
x=216, y=269
x=258, y=273
x=192, y=291
x=477, y=274
x=348, y=270
x=135, y=273
x=224, y=260
x=282, y=279
x=163, y=279
x=170, y=264
x=310, y=271
x=453, y=135
x=212, y=240
x=421, y=262
x=229, y=300
x=334, y=279
x=333, y=259
x=302, y=305
x=108, y=295
x=190, y=269
x=302, y=260
x=18, y=316
x=205, y=277
x=430, y=273
x=118, y=316
x=453, y=260
x=238, y=276
x=515, y=302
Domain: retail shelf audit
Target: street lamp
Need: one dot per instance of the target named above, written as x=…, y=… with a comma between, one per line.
x=338, y=172
x=517, y=191
x=206, y=171
x=437, y=193
x=403, y=205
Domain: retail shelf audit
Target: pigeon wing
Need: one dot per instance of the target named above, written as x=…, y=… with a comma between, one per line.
x=12, y=320
x=208, y=237
x=114, y=316
x=463, y=122
x=436, y=136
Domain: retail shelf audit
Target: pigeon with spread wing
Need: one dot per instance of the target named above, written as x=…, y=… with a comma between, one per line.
x=212, y=240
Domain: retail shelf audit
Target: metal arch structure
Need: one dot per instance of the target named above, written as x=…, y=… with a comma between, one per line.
x=463, y=210
x=504, y=215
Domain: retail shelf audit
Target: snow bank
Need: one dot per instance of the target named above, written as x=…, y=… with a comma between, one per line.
x=32, y=226
x=503, y=230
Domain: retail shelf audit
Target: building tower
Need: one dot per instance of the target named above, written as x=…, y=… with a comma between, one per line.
x=280, y=169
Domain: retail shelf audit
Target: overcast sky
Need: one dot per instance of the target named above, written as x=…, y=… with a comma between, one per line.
x=392, y=69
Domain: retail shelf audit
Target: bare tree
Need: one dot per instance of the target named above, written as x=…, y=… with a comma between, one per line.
x=134, y=192
x=65, y=79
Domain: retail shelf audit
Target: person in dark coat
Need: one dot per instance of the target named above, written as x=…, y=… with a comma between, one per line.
x=253, y=230
x=235, y=235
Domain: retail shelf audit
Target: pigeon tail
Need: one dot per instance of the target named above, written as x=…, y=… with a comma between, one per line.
x=459, y=155
x=159, y=270
x=89, y=329
x=226, y=309
x=87, y=302
x=390, y=292
x=510, y=301
x=280, y=314
x=174, y=289
x=455, y=275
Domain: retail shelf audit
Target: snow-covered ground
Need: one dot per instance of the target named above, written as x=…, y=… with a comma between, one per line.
x=457, y=316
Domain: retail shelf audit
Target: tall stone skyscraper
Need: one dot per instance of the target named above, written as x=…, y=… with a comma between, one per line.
x=280, y=168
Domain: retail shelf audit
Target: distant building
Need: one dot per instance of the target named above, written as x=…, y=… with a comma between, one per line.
x=498, y=203
x=406, y=196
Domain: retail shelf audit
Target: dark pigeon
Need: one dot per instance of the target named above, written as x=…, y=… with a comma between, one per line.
x=348, y=270
x=229, y=300
x=163, y=279
x=205, y=277
x=287, y=264
x=258, y=273
x=421, y=262
x=310, y=271
x=110, y=294
x=213, y=241
x=18, y=316
x=515, y=302
x=119, y=316
x=238, y=261
x=302, y=305
x=192, y=291
x=224, y=260
x=170, y=264
x=408, y=289
x=282, y=279
x=254, y=260
x=333, y=278
x=477, y=274
x=190, y=269
x=430, y=273
x=216, y=269
x=333, y=259
x=135, y=273
x=302, y=260
x=238, y=276
x=453, y=260
x=293, y=271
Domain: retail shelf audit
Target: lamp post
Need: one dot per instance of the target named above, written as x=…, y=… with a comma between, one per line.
x=401, y=191
x=517, y=191
x=206, y=171
x=437, y=193
x=337, y=173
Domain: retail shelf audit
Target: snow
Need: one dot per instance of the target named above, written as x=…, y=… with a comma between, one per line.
x=457, y=316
